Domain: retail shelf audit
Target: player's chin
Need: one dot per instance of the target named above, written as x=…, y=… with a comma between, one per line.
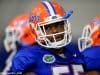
x=29, y=73
x=59, y=37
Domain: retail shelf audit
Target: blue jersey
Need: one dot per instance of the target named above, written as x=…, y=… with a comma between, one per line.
x=3, y=57
x=6, y=58
x=92, y=58
x=43, y=62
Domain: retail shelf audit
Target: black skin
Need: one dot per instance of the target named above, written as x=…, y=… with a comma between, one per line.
x=53, y=29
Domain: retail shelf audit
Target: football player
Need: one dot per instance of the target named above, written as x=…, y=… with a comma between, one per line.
x=18, y=35
x=54, y=53
x=89, y=45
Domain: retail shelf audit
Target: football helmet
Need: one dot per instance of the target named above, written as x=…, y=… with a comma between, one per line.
x=46, y=15
x=19, y=31
x=90, y=35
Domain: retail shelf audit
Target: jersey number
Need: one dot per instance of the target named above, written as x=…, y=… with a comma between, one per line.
x=76, y=70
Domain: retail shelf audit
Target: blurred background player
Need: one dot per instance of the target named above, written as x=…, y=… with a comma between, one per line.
x=17, y=35
x=89, y=44
x=91, y=34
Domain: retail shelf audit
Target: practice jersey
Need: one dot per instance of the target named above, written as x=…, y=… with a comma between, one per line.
x=92, y=58
x=43, y=62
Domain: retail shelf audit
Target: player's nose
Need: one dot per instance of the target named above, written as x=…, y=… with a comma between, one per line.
x=54, y=29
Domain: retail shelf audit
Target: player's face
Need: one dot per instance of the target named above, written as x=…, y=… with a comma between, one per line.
x=55, y=29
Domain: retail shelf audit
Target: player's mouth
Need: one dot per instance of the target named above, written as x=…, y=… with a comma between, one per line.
x=58, y=37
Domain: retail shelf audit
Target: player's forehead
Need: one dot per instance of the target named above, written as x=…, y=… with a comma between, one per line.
x=57, y=23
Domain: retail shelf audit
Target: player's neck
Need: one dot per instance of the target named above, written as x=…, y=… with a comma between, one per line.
x=57, y=51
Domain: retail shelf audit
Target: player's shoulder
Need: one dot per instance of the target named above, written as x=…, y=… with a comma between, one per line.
x=24, y=57
x=72, y=45
x=92, y=48
x=93, y=51
x=28, y=51
x=92, y=58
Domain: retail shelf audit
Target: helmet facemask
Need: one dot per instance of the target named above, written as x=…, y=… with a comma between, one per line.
x=10, y=39
x=86, y=39
x=91, y=34
x=13, y=35
x=54, y=38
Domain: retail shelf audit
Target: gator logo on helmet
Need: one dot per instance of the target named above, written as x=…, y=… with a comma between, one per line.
x=34, y=18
